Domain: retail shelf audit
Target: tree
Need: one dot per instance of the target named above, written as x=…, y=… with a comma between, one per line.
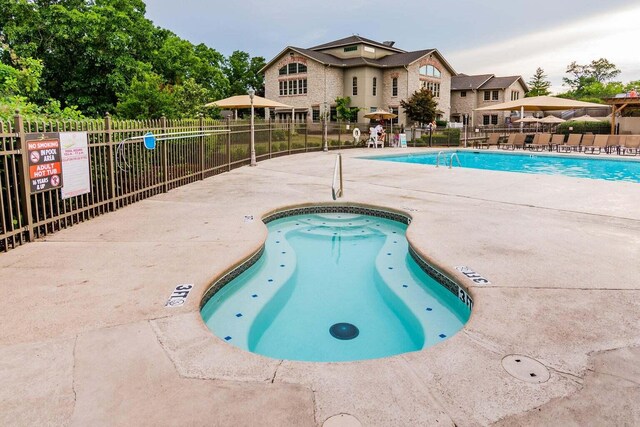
x=539, y=85
x=598, y=71
x=242, y=71
x=420, y=107
x=344, y=111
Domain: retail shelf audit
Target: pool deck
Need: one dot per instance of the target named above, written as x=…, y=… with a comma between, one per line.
x=86, y=338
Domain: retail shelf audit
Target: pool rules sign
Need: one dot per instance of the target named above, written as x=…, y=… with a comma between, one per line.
x=45, y=162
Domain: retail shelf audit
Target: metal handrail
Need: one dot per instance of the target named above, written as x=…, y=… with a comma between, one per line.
x=438, y=158
x=337, y=174
x=451, y=160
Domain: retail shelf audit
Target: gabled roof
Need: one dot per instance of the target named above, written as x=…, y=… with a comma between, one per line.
x=354, y=40
x=465, y=82
x=503, y=82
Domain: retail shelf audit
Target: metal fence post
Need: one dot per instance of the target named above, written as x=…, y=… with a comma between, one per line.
x=108, y=135
x=270, y=135
x=201, y=146
x=25, y=188
x=229, y=144
x=165, y=156
x=290, y=133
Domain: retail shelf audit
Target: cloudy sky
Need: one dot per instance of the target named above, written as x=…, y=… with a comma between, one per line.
x=503, y=37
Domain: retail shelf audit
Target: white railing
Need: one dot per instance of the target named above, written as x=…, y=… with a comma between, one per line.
x=336, y=186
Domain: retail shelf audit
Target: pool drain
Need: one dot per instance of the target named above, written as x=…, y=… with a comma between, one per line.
x=344, y=331
x=342, y=420
x=525, y=368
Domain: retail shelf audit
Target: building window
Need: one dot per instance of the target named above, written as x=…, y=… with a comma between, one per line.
x=292, y=87
x=429, y=70
x=494, y=119
x=394, y=86
x=433, y=87
x=515, y=95
x=315, y=114
x=333, y=114
x=486, y=119
x=463, y=94
x=293, y=68
x=487, y=96
x=375, y=86
x=351, y=48
x=495, y=95
x=355, y=86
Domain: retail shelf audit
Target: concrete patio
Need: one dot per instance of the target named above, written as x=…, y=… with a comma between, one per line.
x=86, y=338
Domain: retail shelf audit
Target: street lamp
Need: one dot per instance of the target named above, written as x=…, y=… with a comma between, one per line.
x=251, y=93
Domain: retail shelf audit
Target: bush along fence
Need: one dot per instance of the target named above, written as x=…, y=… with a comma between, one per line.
x=57, y=174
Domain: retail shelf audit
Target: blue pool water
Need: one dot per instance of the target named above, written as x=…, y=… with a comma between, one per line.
x=334, y=287
x=580, y=167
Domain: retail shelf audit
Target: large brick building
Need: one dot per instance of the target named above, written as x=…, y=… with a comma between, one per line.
x=484, y=90
x=376, y=76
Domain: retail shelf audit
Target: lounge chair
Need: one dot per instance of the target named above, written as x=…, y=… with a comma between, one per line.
x=540, y=142
x=515, y=140
x=631, y=145
x=493, y=139
x=587, y=142
x=599, y=143
x=556, y=140
x=614, y=142
x=572, y=144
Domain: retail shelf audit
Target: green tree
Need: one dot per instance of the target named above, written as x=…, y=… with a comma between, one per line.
x=539, y=85
x=420, y=107
x=147, y=98
x=581, y=76
x=344, y=111
x=242, y=71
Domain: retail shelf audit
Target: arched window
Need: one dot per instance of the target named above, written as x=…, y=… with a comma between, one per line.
x=430, y=71
x=394, y=87
x=293, y=68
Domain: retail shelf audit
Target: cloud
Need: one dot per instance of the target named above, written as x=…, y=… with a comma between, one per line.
x=606, y=36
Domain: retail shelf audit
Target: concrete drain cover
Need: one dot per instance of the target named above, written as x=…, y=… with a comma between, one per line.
x=525, y=368
x=342, y=420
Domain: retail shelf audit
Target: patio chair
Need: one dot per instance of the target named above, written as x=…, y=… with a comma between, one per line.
x=540, y=142
x=587, y=141
x=631, y=145
x=599, y=143
x=572, y=144
x=556, y=140
x=510, y=143
x=614, y=142
x=492, y=139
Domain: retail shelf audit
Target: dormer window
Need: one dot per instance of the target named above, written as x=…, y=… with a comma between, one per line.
x=429, y=71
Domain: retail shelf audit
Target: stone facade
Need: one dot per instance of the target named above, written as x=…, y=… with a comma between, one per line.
x=331, y=68
x=497, y=89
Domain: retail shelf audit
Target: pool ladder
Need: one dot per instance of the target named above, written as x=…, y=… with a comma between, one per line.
x=336, y=186
x=453, y=156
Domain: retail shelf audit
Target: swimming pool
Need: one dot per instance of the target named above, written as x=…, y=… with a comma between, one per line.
x=580, y=167
x=336, y=286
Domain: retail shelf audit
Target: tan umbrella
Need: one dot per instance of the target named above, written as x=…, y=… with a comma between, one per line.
x=585, y=118
x=540, y=103
x=244, y=101
x=380, y=115
x=248, y=101
x=528, y=119
x=552, y=120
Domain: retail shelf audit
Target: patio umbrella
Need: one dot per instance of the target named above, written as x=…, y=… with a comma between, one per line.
x=248, y=101
x=528, y=119
x=585, y=118
x=552, y=120
x=540, y=103
x=380, y=115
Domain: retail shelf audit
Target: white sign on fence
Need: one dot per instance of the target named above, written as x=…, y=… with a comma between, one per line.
x=75, y=164
x=403, y=140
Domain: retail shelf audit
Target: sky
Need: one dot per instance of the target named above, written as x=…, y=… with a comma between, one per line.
x=501, y=37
